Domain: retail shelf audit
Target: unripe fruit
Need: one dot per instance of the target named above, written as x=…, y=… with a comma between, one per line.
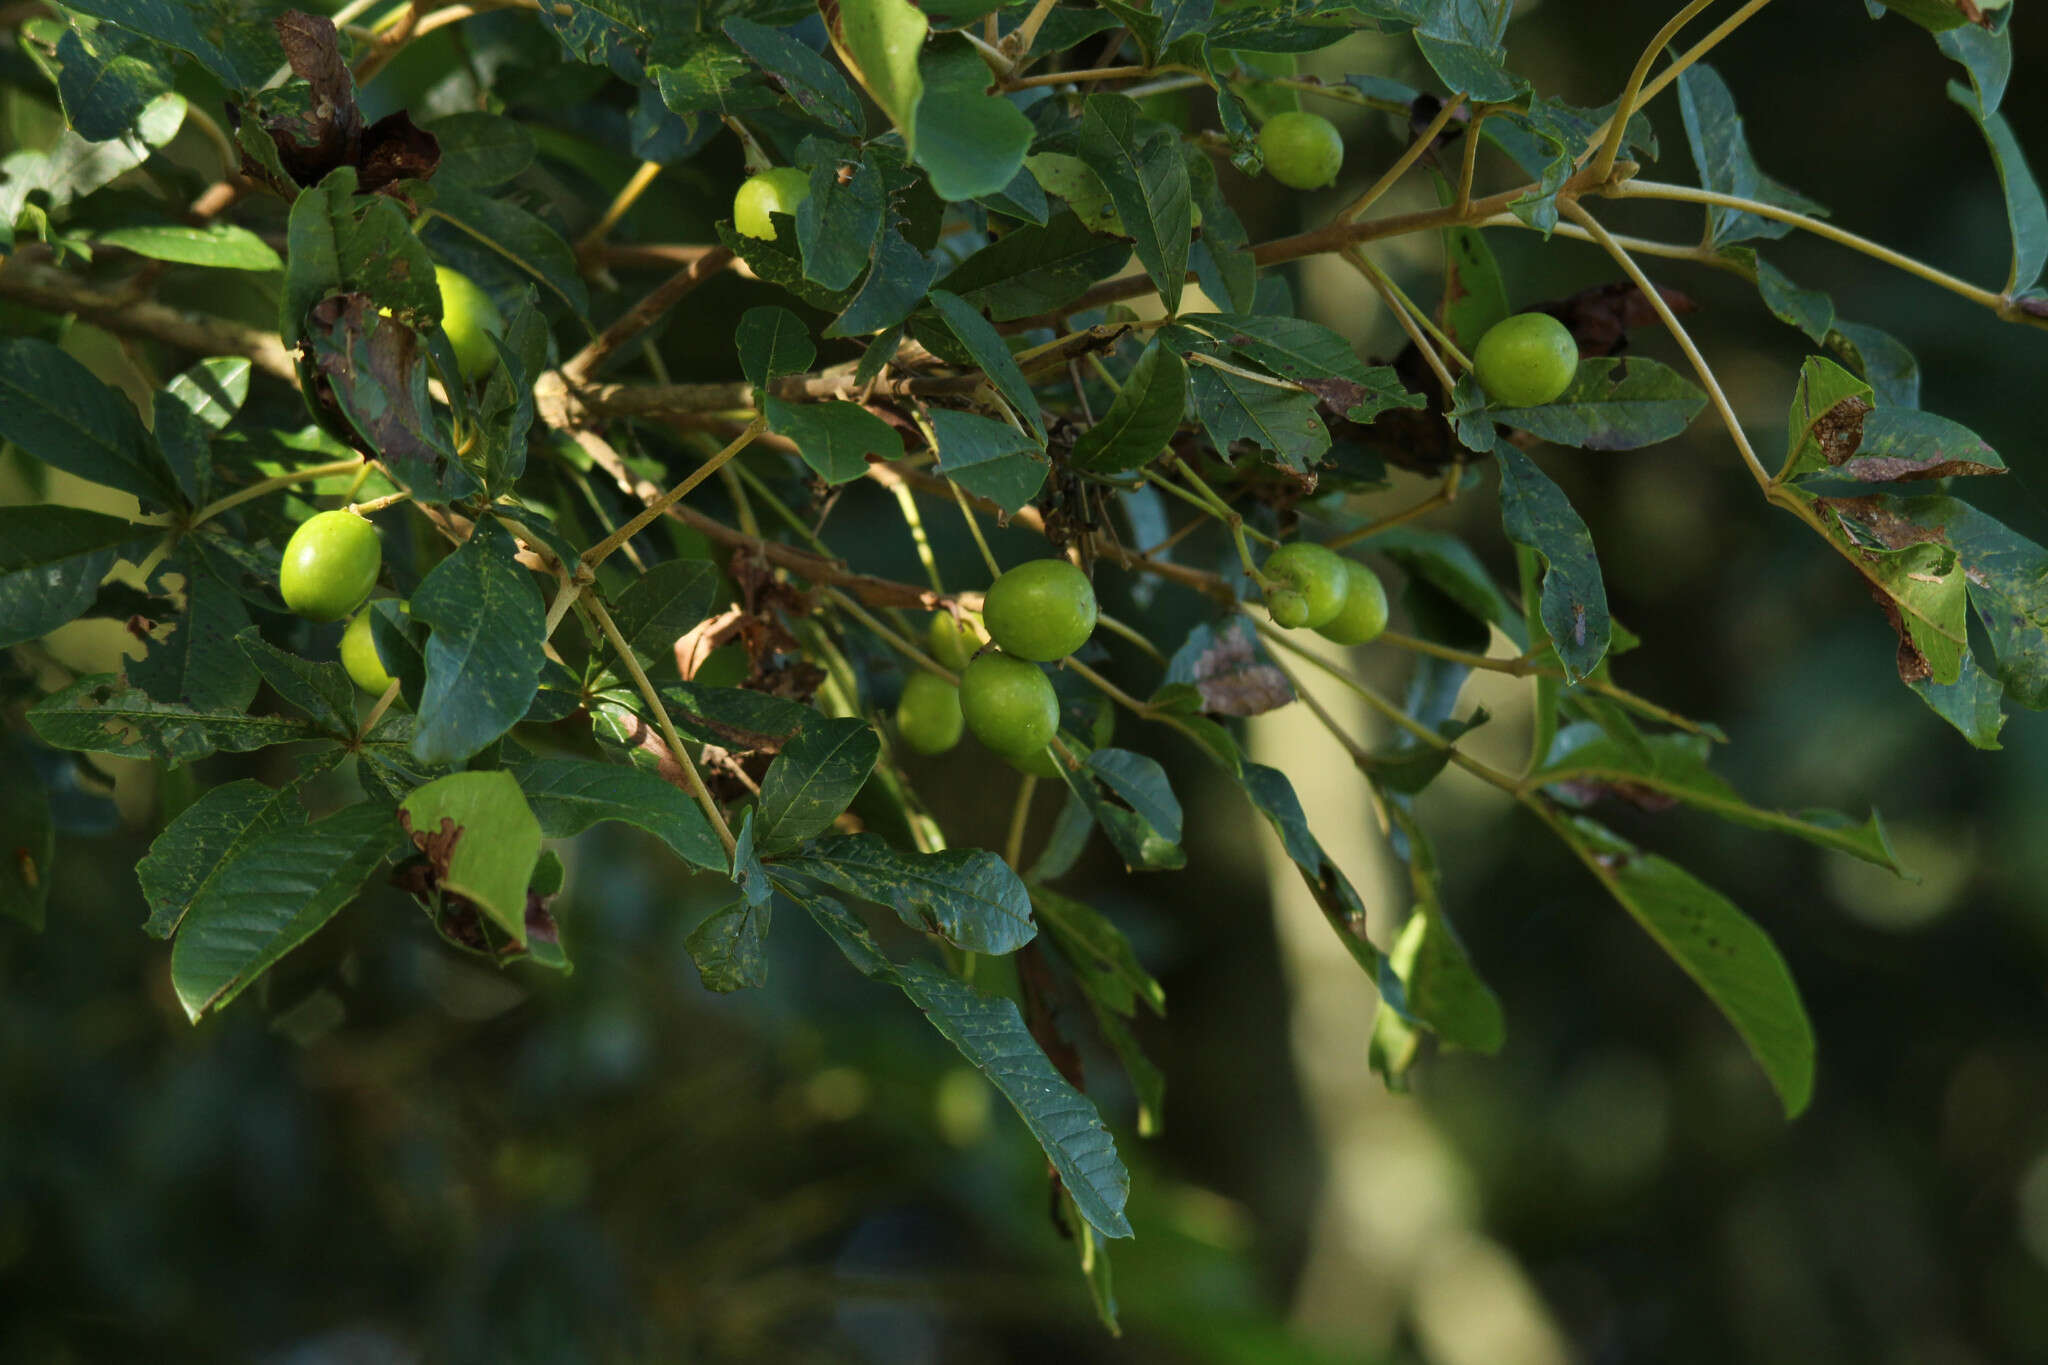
x=1303, y=151
x=1364, y=613
x=330, y=565
x=1525, y=361
x=359, y=655
x=1309, y=584
x=952, y=642
x=928, y=714
x=1042, y=610
x=1009, y=704
x=1040, y=762
x=1093, y=720
x=776, y=191
x=470, y=319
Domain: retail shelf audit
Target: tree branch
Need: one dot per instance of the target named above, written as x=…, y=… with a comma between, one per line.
x=58, y=291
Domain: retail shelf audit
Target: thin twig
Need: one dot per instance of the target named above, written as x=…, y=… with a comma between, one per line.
x=1671, y=323
x=693, y=782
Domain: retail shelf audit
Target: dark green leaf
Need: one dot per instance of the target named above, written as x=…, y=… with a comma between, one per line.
x=772, y=341
x=969, y=897
x=1810, y=310
x=1031, y=270
x=1718, y=946
x=1651, y=403
x=971, y=142
x=108, y=76
x=1139, y=163
x=241, y=49
x=834, y=437
x=1144, y=416
x=665, y=603
x=1272, y=795
x=992, y=1036
x=1883, y=362
x=2007, y=577
x=200, y=665
x=838, y=222
x=813, y=83
x=1721, y=151
x=480, y=150
x=1102, y=957
x=815, y=778
x=730, y=947
x=102, y=714
x=1971, y=703
x=1584, y=763
x=53, y=408
x=278, y=889
x=204, y=841
x=484, y=656
x=2025, y=211
x=42, y=535
x=321, y=690
x=990, y=458
x=896, y=282
x=992, y=354
x=570, y=795
x=1279, y=420
x=519, y=238
x=1475, y=298
x=1536, y=513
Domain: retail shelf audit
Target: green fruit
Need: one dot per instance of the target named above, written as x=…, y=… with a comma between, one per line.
x=1525, y=361
x=359, y=655
x=1096, y=715
x=928, y=714
x=1042, y=610
x=952, y=642
x=1040, y=762
x=1364, y=613
x=1303, y=151
x=776, y=191
x=470, y=319
x=1009, y=704
x=1309, y=584
x=330, y=565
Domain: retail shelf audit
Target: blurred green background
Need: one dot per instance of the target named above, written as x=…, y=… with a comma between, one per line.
x=393, y=1154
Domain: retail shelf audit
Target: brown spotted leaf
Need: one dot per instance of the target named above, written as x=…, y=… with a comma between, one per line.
x=1232, y=674
x=1600, y=318
x=373, y=367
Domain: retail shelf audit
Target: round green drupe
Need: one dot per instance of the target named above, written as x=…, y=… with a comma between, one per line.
x=1364, y=613
x=470, y=319
x=1009, y=704
x=330, y=565
x=776, y=191
x=952, y=642
x=1042, y=610
x=359, y=655
x=1525, y=361
x=928, y=714
x=1303, y=151
x=1309, y=584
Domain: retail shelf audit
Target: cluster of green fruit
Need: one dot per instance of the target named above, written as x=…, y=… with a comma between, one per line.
x=330, y=566
x=1036, y=613
x=1312, y=587
x=331, y=562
